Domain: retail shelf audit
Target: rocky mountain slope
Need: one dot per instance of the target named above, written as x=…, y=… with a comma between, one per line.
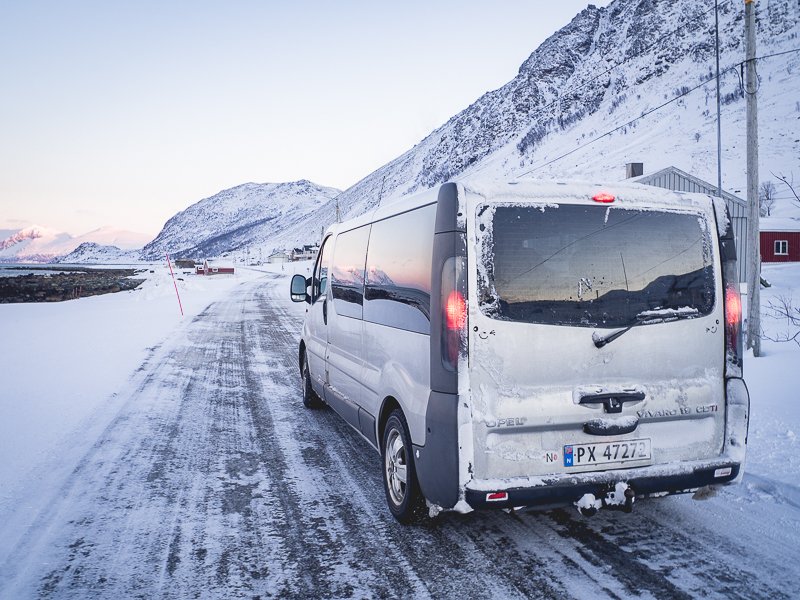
x=89, y=252
x=249, y=215
x=631, y=82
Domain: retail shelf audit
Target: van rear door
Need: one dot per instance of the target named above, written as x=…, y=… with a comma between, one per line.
x=595, y=334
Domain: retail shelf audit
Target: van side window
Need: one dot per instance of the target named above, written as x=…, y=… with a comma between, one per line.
x=347, y=272
x=320, y=281
x=398, y=278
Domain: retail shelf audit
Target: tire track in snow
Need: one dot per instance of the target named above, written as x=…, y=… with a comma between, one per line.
x=442, y=566
x=443, y=554
x=651, y=554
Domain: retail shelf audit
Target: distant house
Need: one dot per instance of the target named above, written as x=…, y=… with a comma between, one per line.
x=184, y=263
x=278, y=257
x=307, y=252
x=674, y=179
x=214, y=268
x=780, y=239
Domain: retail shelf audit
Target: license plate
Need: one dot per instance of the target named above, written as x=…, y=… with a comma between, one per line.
x=580, y=455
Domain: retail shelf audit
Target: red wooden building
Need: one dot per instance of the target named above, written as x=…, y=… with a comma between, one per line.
x=210, y=268
x=780, y=239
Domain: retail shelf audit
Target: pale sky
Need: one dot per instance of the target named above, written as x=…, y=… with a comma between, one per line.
x=124, y=113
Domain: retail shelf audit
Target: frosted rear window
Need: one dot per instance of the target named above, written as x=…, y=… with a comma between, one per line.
x=592, y=265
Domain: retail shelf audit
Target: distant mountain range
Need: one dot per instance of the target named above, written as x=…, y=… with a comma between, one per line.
x=41, y=244
x=630, y=82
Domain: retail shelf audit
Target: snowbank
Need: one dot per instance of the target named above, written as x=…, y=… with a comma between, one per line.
x=63, y=363
x=774, y=384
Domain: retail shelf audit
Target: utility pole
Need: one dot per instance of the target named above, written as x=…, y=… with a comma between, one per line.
x=753, y=243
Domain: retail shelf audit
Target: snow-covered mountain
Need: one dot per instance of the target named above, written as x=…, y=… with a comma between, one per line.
x=631, y=82
x=246, y=216
x=89, y=252
x=589, y=100
x=111, y=236
x=42, y=244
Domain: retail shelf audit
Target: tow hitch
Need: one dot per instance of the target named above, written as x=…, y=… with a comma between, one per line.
x=620, y=498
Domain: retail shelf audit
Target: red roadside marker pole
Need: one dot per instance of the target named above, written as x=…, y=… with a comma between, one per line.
x=175, y=283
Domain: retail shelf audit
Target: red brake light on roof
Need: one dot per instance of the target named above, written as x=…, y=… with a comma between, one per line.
x=456, y=311
x=604, y=198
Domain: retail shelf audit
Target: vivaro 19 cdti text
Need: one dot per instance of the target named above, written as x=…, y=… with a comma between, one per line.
x=532, y=345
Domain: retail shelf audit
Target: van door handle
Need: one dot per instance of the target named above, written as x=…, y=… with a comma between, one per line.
x=606, y=427
x=325, y=311
x=612, y=401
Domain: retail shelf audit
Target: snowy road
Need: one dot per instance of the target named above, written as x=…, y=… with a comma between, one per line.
x=213, y=481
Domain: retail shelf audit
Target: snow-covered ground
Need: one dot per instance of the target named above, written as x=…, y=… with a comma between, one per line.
x=63, y=363
x=774, y=383
x=120, y=475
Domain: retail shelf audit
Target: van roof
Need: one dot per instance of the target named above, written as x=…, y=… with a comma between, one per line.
x=626, y=194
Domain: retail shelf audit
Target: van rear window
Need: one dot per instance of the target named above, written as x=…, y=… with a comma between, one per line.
x=593, y=266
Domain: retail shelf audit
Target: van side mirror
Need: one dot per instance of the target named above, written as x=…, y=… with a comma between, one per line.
x=299, y=289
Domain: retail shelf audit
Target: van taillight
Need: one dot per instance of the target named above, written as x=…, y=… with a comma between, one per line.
x=733, y=307
x=733, y=320
x=456, y=311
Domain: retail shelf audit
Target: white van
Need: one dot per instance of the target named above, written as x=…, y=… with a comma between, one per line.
x=532, y=345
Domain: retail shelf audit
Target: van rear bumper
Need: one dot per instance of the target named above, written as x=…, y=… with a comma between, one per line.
x=565, y=490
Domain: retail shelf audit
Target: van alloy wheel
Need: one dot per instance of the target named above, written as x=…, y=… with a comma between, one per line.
x=396, y=466
x=403, y=494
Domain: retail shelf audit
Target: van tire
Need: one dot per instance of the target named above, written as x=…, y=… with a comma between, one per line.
x=405, y=499
x=310, y=398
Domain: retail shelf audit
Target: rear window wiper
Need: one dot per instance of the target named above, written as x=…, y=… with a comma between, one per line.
x=647, y=317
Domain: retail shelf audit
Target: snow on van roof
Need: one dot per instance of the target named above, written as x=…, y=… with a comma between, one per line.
x=626, y=194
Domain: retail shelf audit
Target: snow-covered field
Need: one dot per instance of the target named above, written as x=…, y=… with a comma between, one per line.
x=90, y=509
x=64, y=363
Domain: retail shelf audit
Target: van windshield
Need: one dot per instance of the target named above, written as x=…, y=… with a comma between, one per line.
x=592, y=266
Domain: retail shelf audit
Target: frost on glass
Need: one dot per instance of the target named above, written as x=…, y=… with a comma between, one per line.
x=593, y=266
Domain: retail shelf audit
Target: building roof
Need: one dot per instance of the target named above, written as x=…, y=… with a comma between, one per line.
x=779, y=224
x=219, y=263
x=675, y=179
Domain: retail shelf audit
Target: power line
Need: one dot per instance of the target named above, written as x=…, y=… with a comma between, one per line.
x=631, y=122
x=793, y=50
x=734, y=68
x=645, y=49
x=622, y=62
